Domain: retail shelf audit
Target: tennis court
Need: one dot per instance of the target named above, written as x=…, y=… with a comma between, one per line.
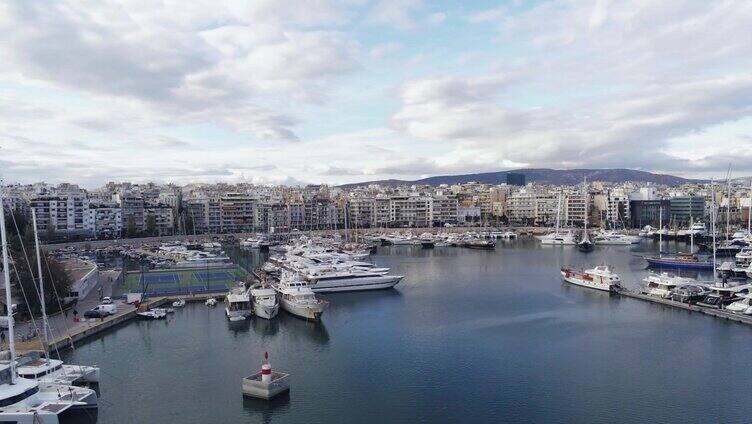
x=167, y=282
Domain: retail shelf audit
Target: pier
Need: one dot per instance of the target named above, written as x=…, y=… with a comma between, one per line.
x=718, y=313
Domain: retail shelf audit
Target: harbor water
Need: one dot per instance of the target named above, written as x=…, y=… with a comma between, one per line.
x=467, y=336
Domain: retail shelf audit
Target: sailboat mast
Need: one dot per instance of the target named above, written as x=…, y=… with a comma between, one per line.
x=41, y=284
x=558, y=213
x=749, y=209
x=728, y=202
x=8, y=300
x=660, y=231
x=712, y=225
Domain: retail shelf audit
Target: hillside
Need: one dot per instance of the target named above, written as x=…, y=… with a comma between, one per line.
x=545, y=176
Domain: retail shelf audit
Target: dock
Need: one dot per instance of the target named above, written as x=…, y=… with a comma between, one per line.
x=718, y=313
x=87, y=328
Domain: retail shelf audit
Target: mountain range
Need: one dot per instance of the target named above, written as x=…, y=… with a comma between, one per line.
x=544, y=176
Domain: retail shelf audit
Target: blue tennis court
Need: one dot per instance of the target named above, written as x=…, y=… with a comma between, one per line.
x=161, y=279
x=214, y=276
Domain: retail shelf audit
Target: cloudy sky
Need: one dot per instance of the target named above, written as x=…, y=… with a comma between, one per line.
x=285, y=91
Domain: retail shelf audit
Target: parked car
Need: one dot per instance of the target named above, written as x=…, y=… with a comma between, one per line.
x=100, y=311
x=95, y=313
x=107, y=300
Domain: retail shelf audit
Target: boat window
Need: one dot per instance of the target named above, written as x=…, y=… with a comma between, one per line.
x=19, y=397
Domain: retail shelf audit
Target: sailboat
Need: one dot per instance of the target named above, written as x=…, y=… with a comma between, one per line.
x=46, y=369
x=558, y=238
x=585, y=245
x=29, y=401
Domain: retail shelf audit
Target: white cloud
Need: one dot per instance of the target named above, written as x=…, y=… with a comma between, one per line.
x=396, y=13
x=436, y=18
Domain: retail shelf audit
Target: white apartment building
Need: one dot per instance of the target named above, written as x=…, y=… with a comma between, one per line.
x=103, y=220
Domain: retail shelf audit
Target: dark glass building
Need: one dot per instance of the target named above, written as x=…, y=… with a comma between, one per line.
x=685, y=209
x=647, y=212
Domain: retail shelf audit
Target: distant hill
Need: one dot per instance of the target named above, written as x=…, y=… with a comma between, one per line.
x=545, y=176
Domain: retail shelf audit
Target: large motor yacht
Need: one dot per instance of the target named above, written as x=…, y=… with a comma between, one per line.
x=265, y=303
x=350, y=280
x=599, y=278
x=297, y=298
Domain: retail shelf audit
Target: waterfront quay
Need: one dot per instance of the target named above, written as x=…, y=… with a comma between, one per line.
x=717, y=313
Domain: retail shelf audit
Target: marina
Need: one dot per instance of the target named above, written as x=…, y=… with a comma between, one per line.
x=551, y=313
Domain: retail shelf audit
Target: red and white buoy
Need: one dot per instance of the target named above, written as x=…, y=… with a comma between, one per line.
x=264, y=384
x=266, y=370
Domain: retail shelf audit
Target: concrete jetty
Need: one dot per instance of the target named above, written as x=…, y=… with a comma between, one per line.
x=718, y=313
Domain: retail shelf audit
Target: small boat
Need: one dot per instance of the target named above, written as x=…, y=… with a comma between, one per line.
x=479, y=244
x=211, y=302
x=238, y=304
x=178, y=303
x=265, y=303
x=721, y=296
x=689, y=293
x=585, y=245
x=662, y=285
x=152, y=314
x=599, y=278
x=741, y=306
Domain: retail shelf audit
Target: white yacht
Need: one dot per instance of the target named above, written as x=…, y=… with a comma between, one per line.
x=744, y=258
x=741, y=306
x=265, y=303
x=29, y=401
x=661, y=285
x=37, y=367
x=350, y=280
x=558, y=238
x=238, y=302
x=614, y=238
x=297, y=298
x=200, y=259
x=599, y=278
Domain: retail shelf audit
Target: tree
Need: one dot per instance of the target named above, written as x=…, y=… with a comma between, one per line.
x=50, y=232
x=151, y=224
x=130, y=228
x=24, y=274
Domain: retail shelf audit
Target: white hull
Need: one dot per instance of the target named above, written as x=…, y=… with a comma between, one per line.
x=588, y=284
x=237, y=314
x=265, y=311
x=305, y=311
x=558, y=242
x=356, y=284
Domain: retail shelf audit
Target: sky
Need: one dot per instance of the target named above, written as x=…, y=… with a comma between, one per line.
x=320, y=91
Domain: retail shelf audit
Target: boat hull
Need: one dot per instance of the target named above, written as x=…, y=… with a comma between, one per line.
x=576, y=279
x=671, y=263
x=359, y=284
x=307, y=312
x=265, y=311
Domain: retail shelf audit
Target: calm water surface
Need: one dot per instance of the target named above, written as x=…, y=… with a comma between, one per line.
x=468, y=336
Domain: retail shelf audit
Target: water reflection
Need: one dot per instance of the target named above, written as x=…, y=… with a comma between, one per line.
x=265, y=327
x=239, y=327
x=266, y=409
x=314, y=331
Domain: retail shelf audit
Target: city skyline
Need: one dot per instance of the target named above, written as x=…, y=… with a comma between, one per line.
x=341, y=92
